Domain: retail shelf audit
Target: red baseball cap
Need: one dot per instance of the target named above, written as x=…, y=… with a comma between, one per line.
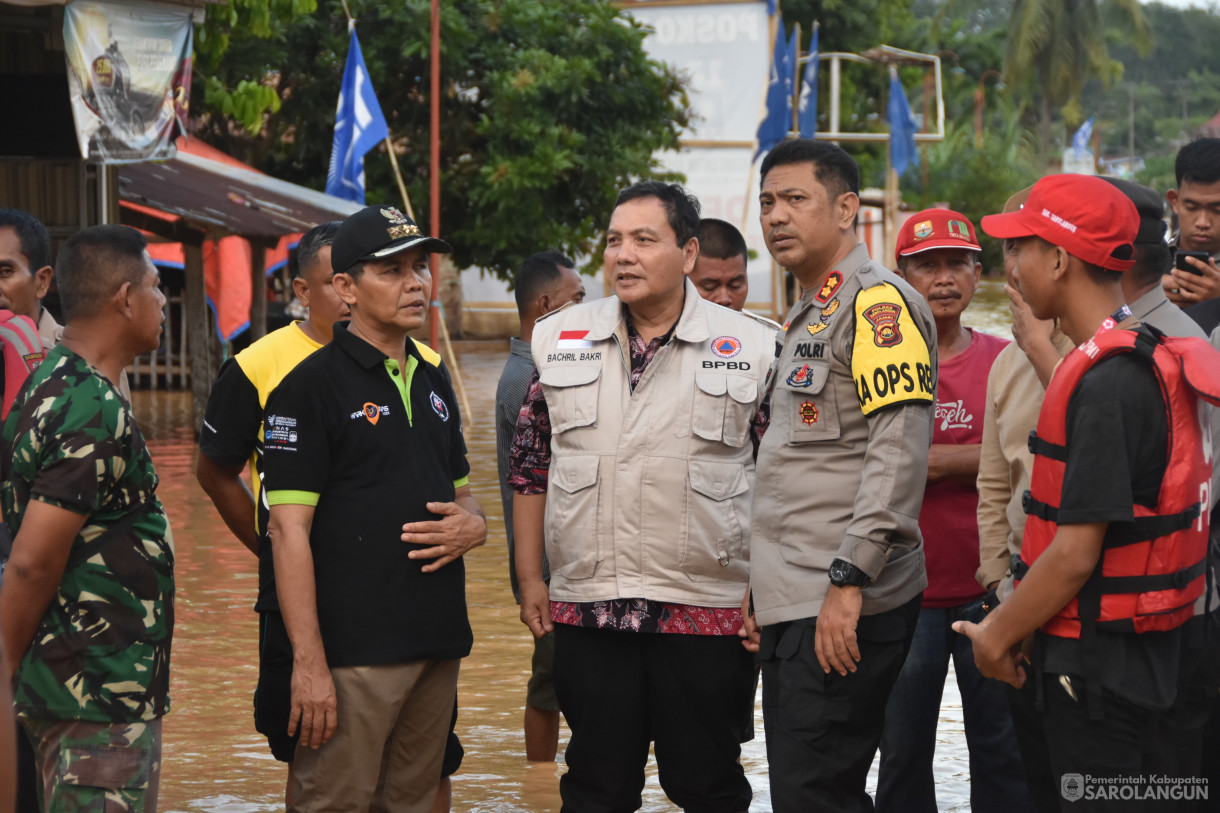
x=1088, y=217
x=936, y=228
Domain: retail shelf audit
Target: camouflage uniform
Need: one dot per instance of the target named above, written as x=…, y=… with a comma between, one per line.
x=97, y=766
x=101, y=652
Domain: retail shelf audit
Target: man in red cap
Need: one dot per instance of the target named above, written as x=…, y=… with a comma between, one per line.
x=937, y=253
x=1115, y=542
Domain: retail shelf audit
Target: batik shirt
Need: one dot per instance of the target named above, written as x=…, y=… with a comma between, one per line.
x=529, y=469
x=101, y=652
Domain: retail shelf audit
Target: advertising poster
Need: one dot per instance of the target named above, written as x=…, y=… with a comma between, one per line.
x=129, y=76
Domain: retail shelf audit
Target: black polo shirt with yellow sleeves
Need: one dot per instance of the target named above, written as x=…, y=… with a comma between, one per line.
x=368, y=445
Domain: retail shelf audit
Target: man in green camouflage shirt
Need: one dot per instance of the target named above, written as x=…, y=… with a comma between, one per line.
x=86, y=606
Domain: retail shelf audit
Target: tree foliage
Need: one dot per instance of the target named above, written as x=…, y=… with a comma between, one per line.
x=547, y=110
x=1062, y=44
x=246, y=101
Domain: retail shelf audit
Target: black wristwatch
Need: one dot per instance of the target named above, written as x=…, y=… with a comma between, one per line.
x=845, y=574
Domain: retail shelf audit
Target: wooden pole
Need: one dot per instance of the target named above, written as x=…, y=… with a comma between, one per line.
x=402, y=187
x=258, y=291
x=196, y=308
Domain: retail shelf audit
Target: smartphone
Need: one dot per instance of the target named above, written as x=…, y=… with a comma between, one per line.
x=1201, y=256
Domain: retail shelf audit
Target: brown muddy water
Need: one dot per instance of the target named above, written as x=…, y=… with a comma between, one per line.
x=215, y=762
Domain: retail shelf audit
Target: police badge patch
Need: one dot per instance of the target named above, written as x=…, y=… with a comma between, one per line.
x=884, y=318
x=809, y=413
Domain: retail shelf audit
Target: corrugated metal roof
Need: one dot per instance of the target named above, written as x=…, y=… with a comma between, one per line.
x=219, y=197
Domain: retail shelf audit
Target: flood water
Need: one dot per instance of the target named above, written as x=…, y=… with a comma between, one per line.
x=215, y=762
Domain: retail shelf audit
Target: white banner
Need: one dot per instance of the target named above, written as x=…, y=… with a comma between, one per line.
x=724, y=49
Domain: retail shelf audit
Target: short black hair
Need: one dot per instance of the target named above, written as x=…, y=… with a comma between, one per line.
x=721, y=240
x=1198, y=161
x=1152, y=261
x=681, y=207
x=35, y=242
x=313, y=241
x=94, y=263
x=537, y=273
x=832, y=166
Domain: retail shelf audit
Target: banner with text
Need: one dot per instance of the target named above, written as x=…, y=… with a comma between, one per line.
x=129, y=76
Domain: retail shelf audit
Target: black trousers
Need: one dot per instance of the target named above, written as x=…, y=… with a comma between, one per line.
x=1031, y=740
x=620, y=690
x=823, y=729
x=1127, y=741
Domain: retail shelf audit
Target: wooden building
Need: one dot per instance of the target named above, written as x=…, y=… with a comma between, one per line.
x=189, y=199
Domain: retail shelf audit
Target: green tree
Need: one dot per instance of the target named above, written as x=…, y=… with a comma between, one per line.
x=976, y=181
x=246, y=101
x=547, y=110
x=1061, y=44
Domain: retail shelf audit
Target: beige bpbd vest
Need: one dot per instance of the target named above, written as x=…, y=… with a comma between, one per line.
x=648, y=495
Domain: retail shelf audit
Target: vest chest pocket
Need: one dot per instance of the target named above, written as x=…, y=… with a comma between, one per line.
x=572, y=543
x=723, y=407
x=571, y=395
x=804, y=403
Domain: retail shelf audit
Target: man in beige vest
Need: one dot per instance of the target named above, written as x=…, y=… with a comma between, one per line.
x=633, y=458
x=836, y=558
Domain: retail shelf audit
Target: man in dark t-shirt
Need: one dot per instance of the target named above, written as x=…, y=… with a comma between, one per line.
x=1105, y=422
x=371, y=511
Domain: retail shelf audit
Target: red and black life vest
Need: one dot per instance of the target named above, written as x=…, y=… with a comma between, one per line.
x=1152, y=569
x=22, y=353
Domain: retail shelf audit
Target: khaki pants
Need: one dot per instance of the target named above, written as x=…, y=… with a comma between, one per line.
x=389, y=743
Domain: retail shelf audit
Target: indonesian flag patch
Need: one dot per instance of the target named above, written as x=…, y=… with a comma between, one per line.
x=573, y=340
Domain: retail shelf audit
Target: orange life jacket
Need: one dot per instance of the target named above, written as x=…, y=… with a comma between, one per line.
x=1151, y=569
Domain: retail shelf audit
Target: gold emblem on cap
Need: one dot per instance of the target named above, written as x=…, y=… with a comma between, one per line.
x=399, y=232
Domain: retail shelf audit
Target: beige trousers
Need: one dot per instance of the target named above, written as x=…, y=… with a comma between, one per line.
x=389, y=743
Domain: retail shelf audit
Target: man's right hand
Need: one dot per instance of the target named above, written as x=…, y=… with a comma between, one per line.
x=1186, y=288
x=536, y=607
x=314, y=706
x=749, y=632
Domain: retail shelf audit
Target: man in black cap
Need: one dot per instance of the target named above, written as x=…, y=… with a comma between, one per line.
x=363, y=452
x=1153, y=258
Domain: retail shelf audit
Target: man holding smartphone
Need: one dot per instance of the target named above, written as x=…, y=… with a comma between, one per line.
x=1195, y=277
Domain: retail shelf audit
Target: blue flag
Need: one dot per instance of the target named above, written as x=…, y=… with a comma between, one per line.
x=359, y=126
x=902, y=127
x=807, y=113
x=1080, y=141
x=778, y=120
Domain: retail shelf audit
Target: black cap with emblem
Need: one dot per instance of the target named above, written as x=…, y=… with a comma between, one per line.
x=376, y=232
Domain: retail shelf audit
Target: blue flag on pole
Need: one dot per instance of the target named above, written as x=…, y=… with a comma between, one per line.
x=902, y=127
x=359, y=126
x=807, y=114
x=1080, y=141
x=778, y=120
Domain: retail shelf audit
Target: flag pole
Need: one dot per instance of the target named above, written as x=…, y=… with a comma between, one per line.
x=434, y=174
x=795, y=129
x=437, y=316
x=436, y=325
x=772, y=25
